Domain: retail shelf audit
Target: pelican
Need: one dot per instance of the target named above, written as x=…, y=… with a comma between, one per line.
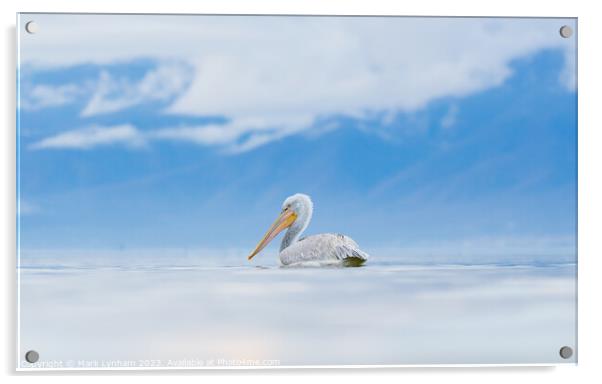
x=325, y=248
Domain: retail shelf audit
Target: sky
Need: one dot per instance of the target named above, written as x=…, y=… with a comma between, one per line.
x=438, y=137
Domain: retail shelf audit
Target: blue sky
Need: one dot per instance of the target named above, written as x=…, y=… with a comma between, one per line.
x=462, y=136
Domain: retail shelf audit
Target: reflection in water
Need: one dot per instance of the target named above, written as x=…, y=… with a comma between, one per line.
x=375, y=314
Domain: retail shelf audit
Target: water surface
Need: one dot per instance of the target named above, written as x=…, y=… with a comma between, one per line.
x=181, y=314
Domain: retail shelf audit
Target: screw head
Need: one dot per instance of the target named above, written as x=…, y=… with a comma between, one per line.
x=566, y=31
x=566, y=352
x=31, y=27
x=32, y=356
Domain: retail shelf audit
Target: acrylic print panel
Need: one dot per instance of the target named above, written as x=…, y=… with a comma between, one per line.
x=209, y=191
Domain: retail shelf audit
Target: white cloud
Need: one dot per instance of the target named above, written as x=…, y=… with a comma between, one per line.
x=212, y=134
x=450, y=117
x=257, y=132
x=277, y=71
x=160, y=84
x=568, y=76
x=204, y=135
x=87, y=138
x=44, y=96
x=110, y=93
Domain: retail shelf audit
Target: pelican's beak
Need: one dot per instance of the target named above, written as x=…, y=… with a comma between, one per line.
x=285, y=220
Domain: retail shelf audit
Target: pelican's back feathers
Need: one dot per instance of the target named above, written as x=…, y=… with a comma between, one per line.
x=329, y=247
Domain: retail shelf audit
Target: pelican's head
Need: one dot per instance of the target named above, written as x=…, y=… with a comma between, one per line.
x=296, y=212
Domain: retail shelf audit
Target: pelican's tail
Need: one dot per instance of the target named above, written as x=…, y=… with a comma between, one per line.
x=349, y=252
x=357, y=258
x=354, y=257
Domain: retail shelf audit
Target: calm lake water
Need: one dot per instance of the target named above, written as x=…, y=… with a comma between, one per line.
x=113, y=313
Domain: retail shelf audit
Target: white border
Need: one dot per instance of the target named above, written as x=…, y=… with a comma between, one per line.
x=590, y=187
x=290, y=367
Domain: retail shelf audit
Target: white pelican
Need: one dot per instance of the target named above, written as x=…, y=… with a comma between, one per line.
x=329, y=248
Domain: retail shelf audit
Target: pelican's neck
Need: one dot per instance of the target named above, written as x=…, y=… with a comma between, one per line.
x=297, y=228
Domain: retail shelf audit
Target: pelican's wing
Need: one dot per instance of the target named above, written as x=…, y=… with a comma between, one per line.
x=324, y=247
x=348, y=249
